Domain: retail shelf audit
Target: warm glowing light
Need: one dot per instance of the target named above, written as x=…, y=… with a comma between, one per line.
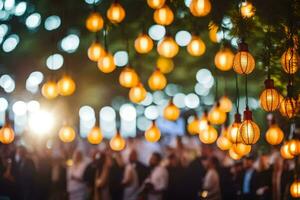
x=94, y=22
x=216, y=116
x=49, y=90
x=247, y=9
x=128, y=77
x=213, y=30
x=67, y=134
x=106, y=63
x=284, y=152
x=294, y=147
x=249, y=130
x=243, y=62
x=165, y=65
x=224, y=59
x=208, y=135
x=155, y=4
x=143, y=44
x=225, y=104
x=137, y=93
x=288, y=107
x=157, y=80
x=7, y=134
x=295, y=189
x=270, y=98
x=66, y=86
x=117, y=143
x=233, y=133
x=95, y=136
x=200, y=8
x=163, y=16
x=41, y=122
x=193, y=126
x=203, y=123
x=116, y=13
x=233, y=155
x=96, y=51
x=196, y=47
x=274, y=135
x=290, y=61
x=167, y=47
x=223, y=142
x=171, y=112
x=153, y=133
x=241, y=149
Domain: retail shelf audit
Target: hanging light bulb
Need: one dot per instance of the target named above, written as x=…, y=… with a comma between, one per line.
x=67, y=134
x=294, y=147
x=295, y=189
x=66, y=86
x=289, y=105
x=270, y=98
x=285, y=153
x=7, y=134
x=223, y=142
x=225, y=104
x=165, y=65
x=241, y=149
x=128, y=77
x=196, y=47
x=152, y=134
x=137, y=93
x=216, y=116
x=203, y=123
x=233, y=155
x=167, y=47
x=213, y=30
x=106, y=64
x=249, y=130
x=200, y=8
x=274, y=134
x=155, y=4
x=157, y=80
x=234, y=135
x=116, y=13
x=171, y=112
x=96, y=51
x=193, y=126
x=209, y=135
x=290, y=61
x=49, y=90
x=243, y=62
x=117, y=143
x=164, y=15
x=95, y=136
x=247, y=9
x=224, y=59
x=94, y=22
x=143, y=43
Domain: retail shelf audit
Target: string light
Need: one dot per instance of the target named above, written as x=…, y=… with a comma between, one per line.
x=137, y=93
x=223, y=142
x=106, y=64
x=247, y=9
x=165, y=65
x=116, y=13
x=216, y=116
x=274, y=134
x=294, y=147
x=193, y=126
x=234, y=134
x=153, y=133
x=290, y=61
x=128, y=77
x=163, y=16
x=200, y=8
x=241, y=149
x=94, y=22
x=117, y=143
x=96, y=51
x=196, y=47
x=155, y=4
x=208, y=135
x=224, y=59
x=157, y=80
x=243, y=62
x=285, y=153
x=49, y=90
x=67, y=134
x=295, y=189
x=270, y=98
x=171, y=112
x=66, y=86
x=249, y=130
x=7, y=134
x=225, y=104
x=143, y=43
x=95, y=136
x=167, y=47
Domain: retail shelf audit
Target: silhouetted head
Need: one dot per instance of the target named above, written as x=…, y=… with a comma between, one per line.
x=155, y=159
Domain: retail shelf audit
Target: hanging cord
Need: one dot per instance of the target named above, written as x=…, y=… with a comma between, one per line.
x=105, y=38
x=217, y=95
x=237, y=94
x=246, y=90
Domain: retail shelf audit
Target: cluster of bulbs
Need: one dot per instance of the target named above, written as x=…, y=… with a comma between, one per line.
x=66, y=86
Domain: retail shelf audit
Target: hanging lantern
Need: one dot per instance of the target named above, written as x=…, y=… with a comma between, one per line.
x=249, y=130
x=223, y=142
x=216, y=116
x=270, y=98
x=224, y=59
x=243, y=62
x=225, y=104
x=95, y=51
x=95, y=136
x=203, y=123
x=247, y=9
x=274, y=134
x=193, y=126
x=290, y=61
x=209, y=135
x=295, y=189
x=137, y=93
x=165, y=65
x=163, y=16
x=241, y=149
x=167, y=47
x=152, y=134
x=66, y=86
x=115, y=13
x=200, y=8
x=294, y=147
x=7, y=134
x=155, y=4
x=106, y=64
x=157, y=80
x=171, y=112
x=94, y=22
x=288, y=107
x=117, y=143
x=128, y=77
x=49, y=90
x=67, y=134
x=213, y=30
x=143, y=43
x=196, y=47
x=233, y=134
x=285, y=153
x=233, y=155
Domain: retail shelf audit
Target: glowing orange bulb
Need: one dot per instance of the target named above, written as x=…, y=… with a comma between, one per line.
x=67, y=134
x=288, y=107
x=137, y=93
x=294, y=147
x=193, y=126
x=243, y=62
x=171, y=112
x=95, y=136
x=233, y=155
x=249, y=130
x=295, y=189
x=274, y=135
x=165, y=65
x=7, y=134
x=284, y=152
x=200, y=8
x=96, y=51
x=116, y=13
x=225, y=104
x=270, y=98
x=241, y=149
x=209, y=135
x=128, y=78
x=224, y=59
x=233, y=134
x=157, y=80
x=213, y=30
x=203, y=123
x=247, y=9
x=66, y=86
x=196, y=47
x=223, y=142
x=167, y=47
x=94, y=22
x=117, y=143
x=290, y=61
x=143, y=44
x=155, y=4
x=106, y=63
x=216, y=116
x=49, y=90
x=163, y=16
x=153, y=133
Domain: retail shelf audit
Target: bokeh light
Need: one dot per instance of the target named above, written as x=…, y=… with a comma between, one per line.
x=55, y=61
x=52, y=22
x=157, y=32
x=33, y=21
x=70, y=43
x=183, y=38
x=10, y=43
x=121, y=58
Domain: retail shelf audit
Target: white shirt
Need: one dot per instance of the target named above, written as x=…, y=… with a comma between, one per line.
x=130, y=190
x=159, y=179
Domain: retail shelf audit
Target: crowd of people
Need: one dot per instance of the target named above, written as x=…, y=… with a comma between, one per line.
x=174, y=173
